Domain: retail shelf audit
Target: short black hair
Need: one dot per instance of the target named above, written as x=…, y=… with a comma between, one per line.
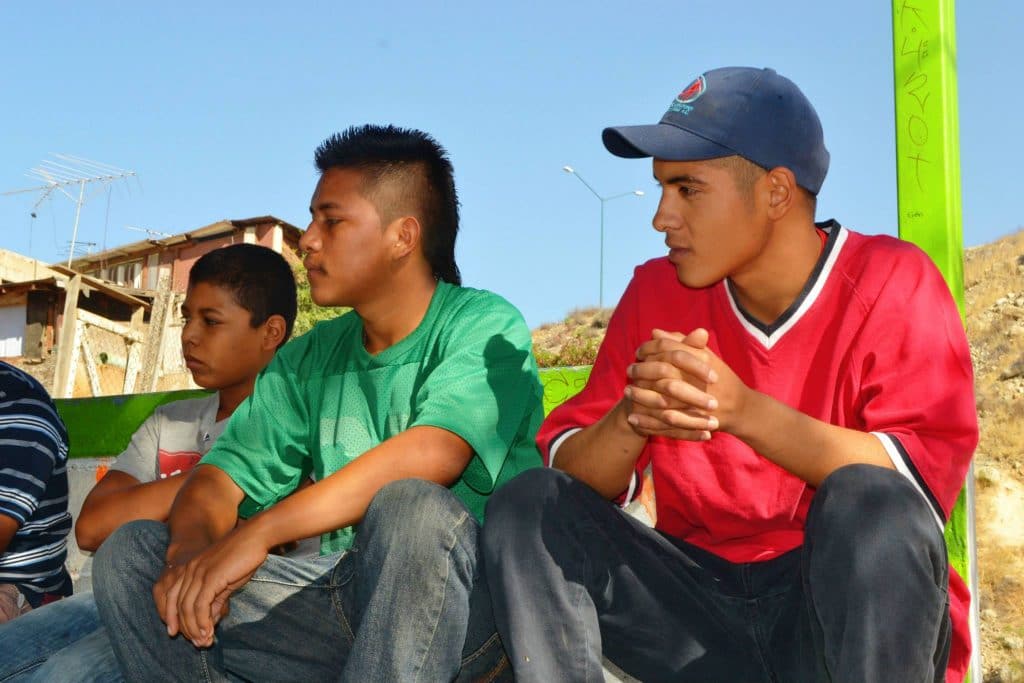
x=746, y=172
x=417, y=166
x=259, y=279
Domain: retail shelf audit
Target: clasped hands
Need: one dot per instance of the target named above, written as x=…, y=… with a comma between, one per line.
x=192, y=595
x=680, y=389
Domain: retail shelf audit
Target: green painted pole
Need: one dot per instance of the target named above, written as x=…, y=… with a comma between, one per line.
x=929, y=200
x=928, y=133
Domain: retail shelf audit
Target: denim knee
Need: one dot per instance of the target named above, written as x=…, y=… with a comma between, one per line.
x=522, y=494
x=412, y=514
x=411, y=499
x=874, y=512
x=867, y=495
x=141, y=542
x=537, y=502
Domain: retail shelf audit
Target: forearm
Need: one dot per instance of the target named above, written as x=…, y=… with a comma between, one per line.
x=808, y=448
x=108, y=507
x=8, y=528
x=604, y=454
x=341, y=499
x=205, y=510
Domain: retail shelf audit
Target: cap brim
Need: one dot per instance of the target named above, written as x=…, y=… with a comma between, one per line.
x=661, y=141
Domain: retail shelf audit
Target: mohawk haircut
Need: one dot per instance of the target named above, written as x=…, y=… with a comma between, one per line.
x=404, y=170
x=259, y=279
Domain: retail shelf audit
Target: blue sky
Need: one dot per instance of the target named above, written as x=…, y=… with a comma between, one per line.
x=218, y=107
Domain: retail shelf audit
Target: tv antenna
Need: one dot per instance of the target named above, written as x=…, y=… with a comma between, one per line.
x=63, y=172
x=153, y=234
x=81, y=247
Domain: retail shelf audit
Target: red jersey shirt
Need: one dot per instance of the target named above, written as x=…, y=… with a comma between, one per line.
x=874, y=342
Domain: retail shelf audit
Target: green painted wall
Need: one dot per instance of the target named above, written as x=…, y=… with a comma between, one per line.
x=104, y=426
x=562, y=383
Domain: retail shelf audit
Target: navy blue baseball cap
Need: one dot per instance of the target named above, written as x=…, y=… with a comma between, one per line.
x=754, y=113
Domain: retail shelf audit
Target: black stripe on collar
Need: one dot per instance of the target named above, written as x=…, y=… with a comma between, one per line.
x=831, y=228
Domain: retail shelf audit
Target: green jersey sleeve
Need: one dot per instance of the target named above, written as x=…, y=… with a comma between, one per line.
x=484, y=387
x=264, y=447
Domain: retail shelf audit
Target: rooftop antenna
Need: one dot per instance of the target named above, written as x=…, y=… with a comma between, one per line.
x=153, y=234
x=65, y=171
x=81, y=247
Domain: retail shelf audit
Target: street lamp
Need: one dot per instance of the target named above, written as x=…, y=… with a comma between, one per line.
x=638, y=193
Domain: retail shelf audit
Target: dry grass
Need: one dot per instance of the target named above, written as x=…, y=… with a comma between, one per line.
x=572, y=342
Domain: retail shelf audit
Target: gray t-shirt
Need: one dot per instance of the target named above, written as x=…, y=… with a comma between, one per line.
x=181, y=433
x=177, y=433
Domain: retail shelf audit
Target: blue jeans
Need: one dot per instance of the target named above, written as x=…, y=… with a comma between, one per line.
x=60, y=642
x=408, y=602
x=864, y=599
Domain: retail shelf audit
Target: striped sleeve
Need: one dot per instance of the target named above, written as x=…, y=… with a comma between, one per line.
x=32, y=448
x=33, y=487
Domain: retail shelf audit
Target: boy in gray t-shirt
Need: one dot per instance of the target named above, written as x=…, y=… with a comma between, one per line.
x=179, y=433
x=239, y=309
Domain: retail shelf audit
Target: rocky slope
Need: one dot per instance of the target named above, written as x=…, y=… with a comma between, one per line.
x=994, y=307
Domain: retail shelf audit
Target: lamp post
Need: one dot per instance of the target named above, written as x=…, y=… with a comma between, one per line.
x=637, y=193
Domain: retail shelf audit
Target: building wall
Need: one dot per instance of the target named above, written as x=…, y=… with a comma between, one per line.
x=176, y=261
x=17, y=268
x=187, y=254
x=12, y=325
x=39, y=318
x=281, y=241
x=13, y=299
x=265, y=234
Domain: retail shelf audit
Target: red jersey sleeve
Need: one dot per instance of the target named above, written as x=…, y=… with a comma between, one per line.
x=917, y=384
x=606, y=383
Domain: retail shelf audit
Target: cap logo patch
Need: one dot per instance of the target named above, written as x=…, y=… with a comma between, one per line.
x=693, y=91
x=683, y=102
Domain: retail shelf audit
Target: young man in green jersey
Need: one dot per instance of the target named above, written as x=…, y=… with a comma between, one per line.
x=408, y=411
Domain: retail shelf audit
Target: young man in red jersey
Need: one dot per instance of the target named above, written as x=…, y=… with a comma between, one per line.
x=802, y=395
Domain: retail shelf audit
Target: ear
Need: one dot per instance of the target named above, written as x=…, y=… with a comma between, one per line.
x=274, y=329
x=782, y=191
x=405, y=235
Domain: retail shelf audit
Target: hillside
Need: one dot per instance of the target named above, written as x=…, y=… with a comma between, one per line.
x=994, y=309
x=994, y=302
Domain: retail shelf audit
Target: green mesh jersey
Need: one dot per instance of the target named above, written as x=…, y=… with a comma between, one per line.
x=324, y=401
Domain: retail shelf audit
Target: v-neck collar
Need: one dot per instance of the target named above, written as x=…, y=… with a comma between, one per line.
x=396, y=351
x=769, y=335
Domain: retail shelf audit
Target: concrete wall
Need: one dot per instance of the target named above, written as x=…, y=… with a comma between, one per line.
x=83, y=473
